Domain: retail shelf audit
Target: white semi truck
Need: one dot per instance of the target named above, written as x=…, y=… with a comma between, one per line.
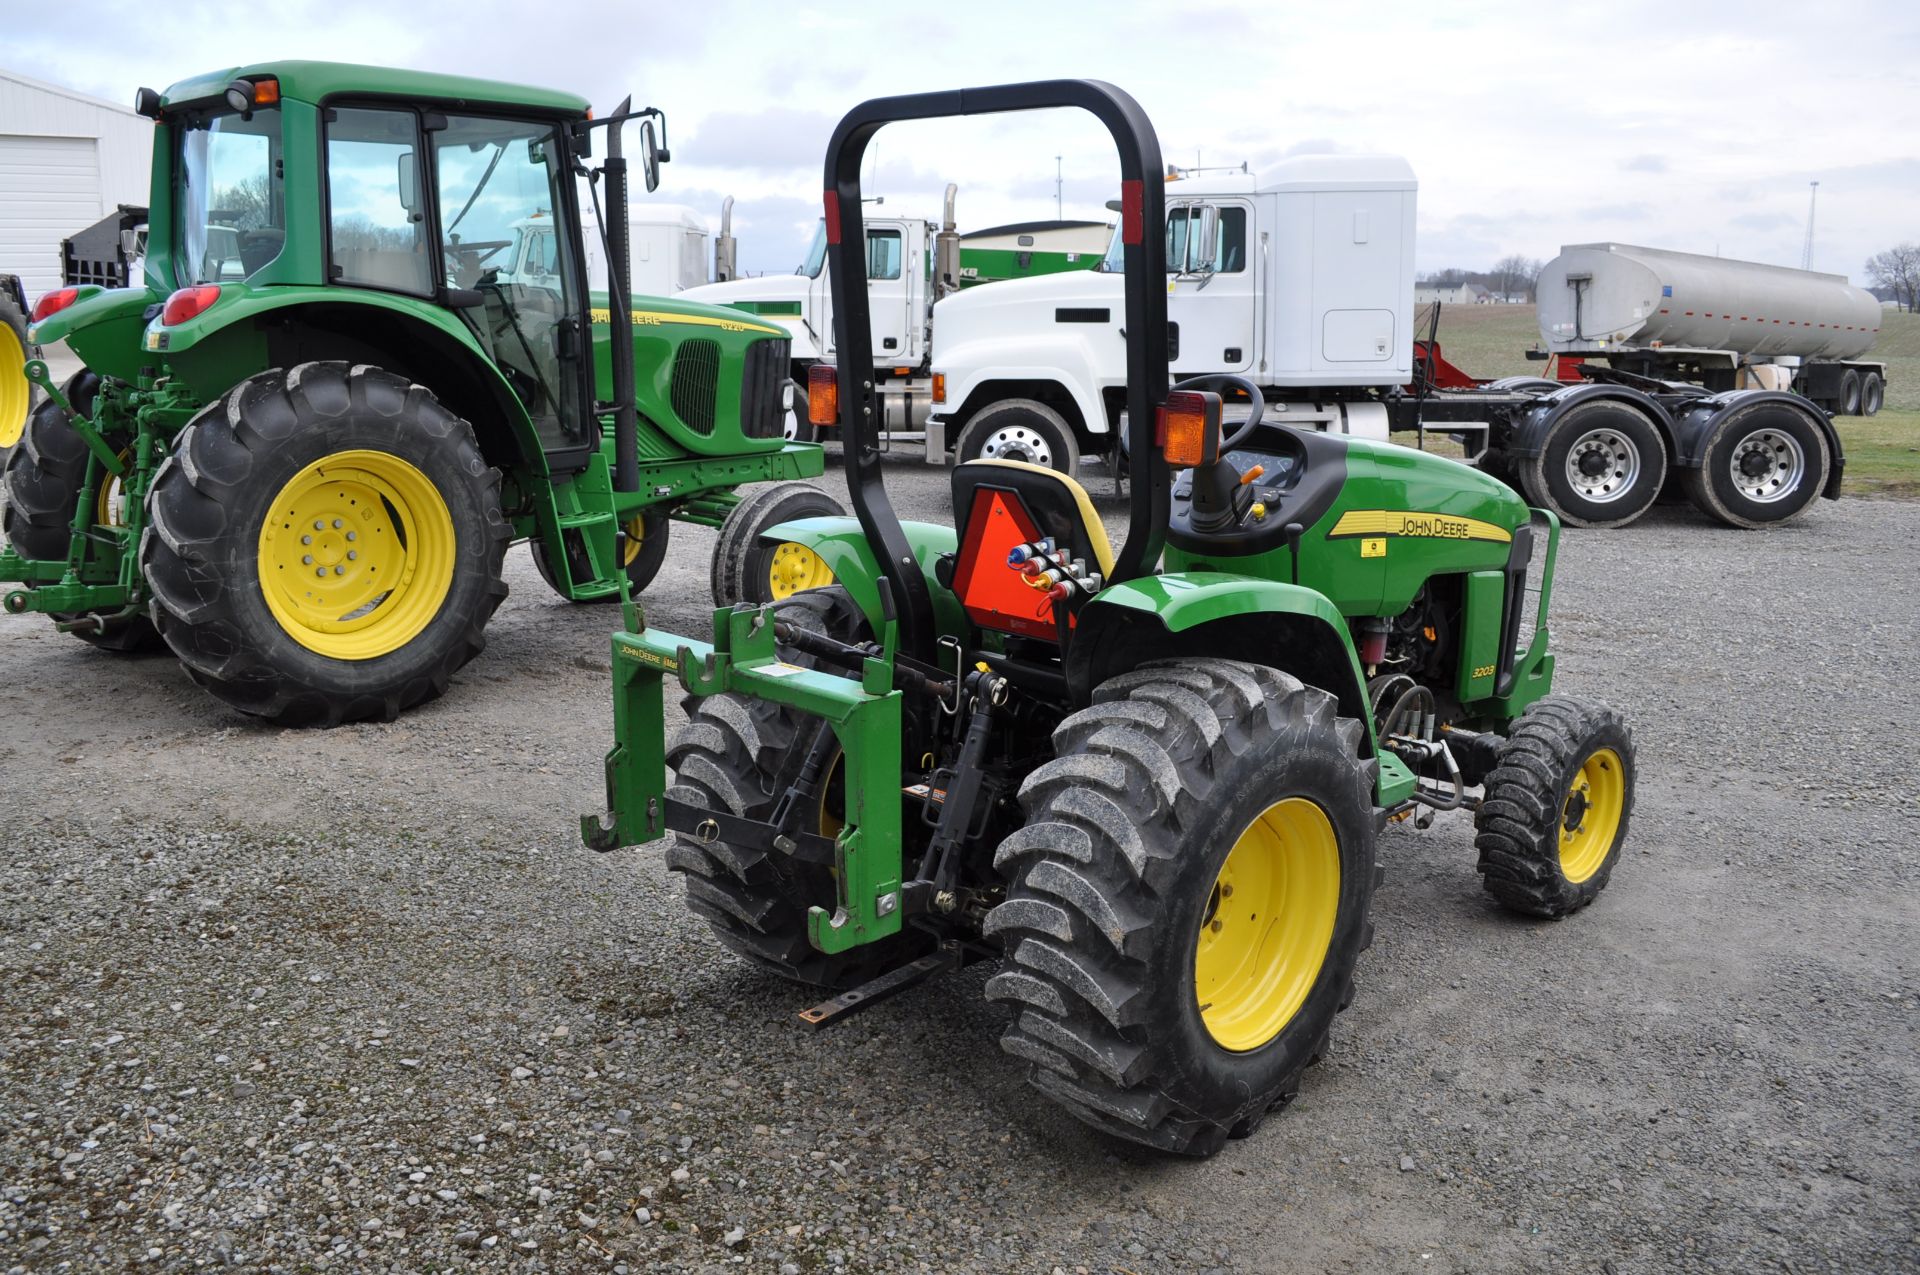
x=911, y=264
x=1301, y=278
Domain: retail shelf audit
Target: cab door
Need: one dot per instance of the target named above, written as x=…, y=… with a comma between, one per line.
x=1213, y=302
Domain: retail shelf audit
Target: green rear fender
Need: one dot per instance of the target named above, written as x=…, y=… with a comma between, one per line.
x=1220, y=614
x=844, y=548
x=224, y=344
x=102, y=327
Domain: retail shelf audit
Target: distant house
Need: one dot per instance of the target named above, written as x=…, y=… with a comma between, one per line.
x=1446, y=293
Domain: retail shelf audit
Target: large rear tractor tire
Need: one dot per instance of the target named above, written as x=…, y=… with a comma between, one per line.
x=1556, y=807
x=44, y=474
x=324, y=545
x=1020, y=429
x=748, y=569
x=1761, y=464
x=16, y=391
x=1187, y=900
x=646, y=550
x=1603, y=465
x=738, y=755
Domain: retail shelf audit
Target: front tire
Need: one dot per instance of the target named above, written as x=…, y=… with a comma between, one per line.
x=1020, y=429
x=1760, y=465
x=360, y=478
x=1187, y=900
x=1603, y=466
x=646, y=551
x=739, y=754
x=747, y=568
x=1555, y=808
x=16, y=391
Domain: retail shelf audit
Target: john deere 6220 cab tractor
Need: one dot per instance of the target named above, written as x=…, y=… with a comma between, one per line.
x=1150, y=780
x=301, y=444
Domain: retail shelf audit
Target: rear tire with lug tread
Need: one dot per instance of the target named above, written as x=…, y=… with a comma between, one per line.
x=1603, y=465
x=356, y=449
x=1121, y=911
x=1760, y=466
x=1556, y=806
x=44, y=474
x=746, y=569
x=1020, y=429
x=739, y=754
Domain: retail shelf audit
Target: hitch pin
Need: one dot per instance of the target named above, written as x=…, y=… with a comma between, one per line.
x=959, y=662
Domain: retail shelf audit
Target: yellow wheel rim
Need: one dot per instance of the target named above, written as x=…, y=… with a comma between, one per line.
x=636, y=533
x=110, y=505
x=795, y=567
x=357, y=555
x=1268, y=922
x=16, y=391
x=1590, y=815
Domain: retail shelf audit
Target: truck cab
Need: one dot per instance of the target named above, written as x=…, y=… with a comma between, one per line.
x=1300, y=278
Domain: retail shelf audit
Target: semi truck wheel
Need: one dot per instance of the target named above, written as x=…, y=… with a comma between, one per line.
x=1603, y=465
x=16, y=391
x=1847, y=403
x=798, y=425
x=44, y=474
x=325, y=545
x=739, y=755
x=1760, y=464
x=1556, y=807
x=646, y=550
x=748, y=569
x=1873, y=394
x=1187, y=900
x=1020, y=429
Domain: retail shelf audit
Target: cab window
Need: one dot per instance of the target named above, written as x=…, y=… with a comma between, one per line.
x=883, y=254
x=376, y=220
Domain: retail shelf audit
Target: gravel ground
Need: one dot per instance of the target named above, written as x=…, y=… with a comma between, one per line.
x=359, y=999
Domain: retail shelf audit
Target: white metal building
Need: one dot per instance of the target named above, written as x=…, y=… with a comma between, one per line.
x=66, y=160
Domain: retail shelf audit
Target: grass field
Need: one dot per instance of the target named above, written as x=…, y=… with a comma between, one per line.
x=1883, y=452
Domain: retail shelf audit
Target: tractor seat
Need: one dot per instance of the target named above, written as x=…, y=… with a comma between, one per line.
x=999, y=504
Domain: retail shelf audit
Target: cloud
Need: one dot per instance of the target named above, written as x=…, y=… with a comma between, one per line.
x=1645, y=164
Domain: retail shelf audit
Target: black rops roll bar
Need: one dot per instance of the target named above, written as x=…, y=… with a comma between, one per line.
x=1144, y=239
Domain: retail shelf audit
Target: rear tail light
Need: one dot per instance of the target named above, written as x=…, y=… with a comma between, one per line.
x=54, y=302
x=823, y=394
x=188, y=303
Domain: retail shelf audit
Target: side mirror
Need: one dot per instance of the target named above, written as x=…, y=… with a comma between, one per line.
x=409, y=182
x=1203, y=239
x=649, y=156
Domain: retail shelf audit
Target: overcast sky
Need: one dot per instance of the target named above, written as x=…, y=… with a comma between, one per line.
x=1694, y=126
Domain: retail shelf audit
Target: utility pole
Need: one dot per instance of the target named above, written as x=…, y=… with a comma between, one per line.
x=1806, y=253
x=1057, y=179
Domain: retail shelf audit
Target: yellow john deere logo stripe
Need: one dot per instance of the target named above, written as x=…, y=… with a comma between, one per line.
x=1400, y=522
x=654, y=318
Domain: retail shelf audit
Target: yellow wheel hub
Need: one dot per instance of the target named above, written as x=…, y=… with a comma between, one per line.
x=357, y=555
x=16, y=391
x=636, y=533
x=795, y=567
x=1268, y=923
x=1590, y=816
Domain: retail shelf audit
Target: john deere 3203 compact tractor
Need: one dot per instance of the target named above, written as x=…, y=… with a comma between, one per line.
x=1150, y=779
x=302, y=443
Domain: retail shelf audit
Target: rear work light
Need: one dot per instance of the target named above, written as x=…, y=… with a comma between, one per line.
x=188, y=303
x=823, y=394
x=54, y=302
x=1190, y=428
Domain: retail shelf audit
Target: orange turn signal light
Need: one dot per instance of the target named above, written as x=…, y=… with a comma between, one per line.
x=939, y=387
x=823, y=394
x=1190, y=428
x=266, y=92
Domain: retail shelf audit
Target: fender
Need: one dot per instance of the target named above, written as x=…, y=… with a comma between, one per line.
x=1069, y=364
x=844, y=548
x=1533, y=425
x=221, y=345
x=102, y=327
x=1698, y=418
x=1222, y=614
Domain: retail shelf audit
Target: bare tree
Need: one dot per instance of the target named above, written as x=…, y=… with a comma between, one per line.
x=1898, y=270
x=1514, y=274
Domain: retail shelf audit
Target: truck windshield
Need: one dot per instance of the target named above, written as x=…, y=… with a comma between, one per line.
x=1229, y=255
x=229, y=209
x=816, y=253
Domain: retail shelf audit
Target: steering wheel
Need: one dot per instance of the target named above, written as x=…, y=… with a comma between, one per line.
x=1252, y=392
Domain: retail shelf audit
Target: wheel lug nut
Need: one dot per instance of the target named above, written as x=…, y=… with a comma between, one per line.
x=336, y=524
x=339, y=571
x=319, y=571
x=306, y=540
x=352, y=554
x=1215, y=927
x=351, y=535
x=307, y=558
x=319, y=525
